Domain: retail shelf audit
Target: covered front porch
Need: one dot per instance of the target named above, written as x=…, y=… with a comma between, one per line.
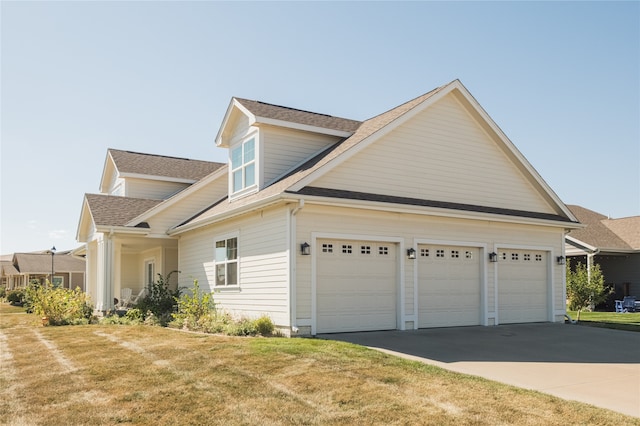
x=116, y=261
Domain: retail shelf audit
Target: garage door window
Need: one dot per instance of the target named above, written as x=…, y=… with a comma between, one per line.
x=227, y=262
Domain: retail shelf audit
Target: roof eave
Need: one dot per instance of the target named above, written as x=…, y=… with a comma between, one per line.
x=247, y=208
x=233, y=105
x=304, y=127
x=435, y=211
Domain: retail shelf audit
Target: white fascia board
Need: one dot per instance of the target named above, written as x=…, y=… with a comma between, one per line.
x=106, y=229
x=303, y=127
x=85, y=215
x=104, y=170
x=158, y=178
x=435, y=211
x=513, y=149
x=181, y=195
x=579, y=244
x=261, y=204
x=227, y=117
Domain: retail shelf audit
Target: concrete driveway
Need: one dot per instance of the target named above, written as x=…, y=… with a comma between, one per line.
x=593, y=365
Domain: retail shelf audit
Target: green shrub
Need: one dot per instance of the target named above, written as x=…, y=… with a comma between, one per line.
x=192, y=307
x=16, y=297
x=264, y=325
x=160, y=300
x=242, y=327
x=134, y=315
x=60, y=305
x=3, y=292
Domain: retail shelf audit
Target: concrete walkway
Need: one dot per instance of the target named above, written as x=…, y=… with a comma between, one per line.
x=593, y=365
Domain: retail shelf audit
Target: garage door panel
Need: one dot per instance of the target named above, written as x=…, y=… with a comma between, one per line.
x=522, y=286
x=448, y=286
x=356, y=286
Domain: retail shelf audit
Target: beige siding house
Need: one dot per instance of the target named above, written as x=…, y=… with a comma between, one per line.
x=63, y=269
x=423, y=216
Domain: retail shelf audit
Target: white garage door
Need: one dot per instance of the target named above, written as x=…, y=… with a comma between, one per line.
x=356, y=286
x=522, y=286
x=448, y=286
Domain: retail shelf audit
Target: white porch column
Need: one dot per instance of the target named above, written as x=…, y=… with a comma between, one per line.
x=105, y=274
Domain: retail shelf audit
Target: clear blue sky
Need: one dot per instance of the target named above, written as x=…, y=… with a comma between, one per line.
x=562, y=80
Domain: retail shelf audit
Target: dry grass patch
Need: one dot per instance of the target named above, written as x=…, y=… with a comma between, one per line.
x=151, y=375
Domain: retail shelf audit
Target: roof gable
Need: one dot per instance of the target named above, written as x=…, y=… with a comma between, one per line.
x=372, y=130
x=604, y=233
x=261, y=113
x=128, y=163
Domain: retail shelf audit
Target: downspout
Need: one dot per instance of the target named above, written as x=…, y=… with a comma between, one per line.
x=293, y=268
x=590, y=262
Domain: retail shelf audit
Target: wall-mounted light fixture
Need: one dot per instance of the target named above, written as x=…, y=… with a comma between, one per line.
x=305, y=249
x=411, y=253
x=493, y=257
x=560, y=260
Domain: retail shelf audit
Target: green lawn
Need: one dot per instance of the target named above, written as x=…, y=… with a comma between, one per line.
x=141, y=375
x=627, y=321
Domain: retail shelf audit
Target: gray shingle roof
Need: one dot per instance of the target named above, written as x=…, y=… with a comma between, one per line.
x=8, y=268
x=628, y=229
x=604, y=233
x=277, y=112
x=111, y=210
x=160, y=165
x=40, y=263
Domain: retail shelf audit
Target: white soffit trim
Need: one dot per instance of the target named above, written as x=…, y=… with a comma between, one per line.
x=103, y=180
x=221, y=172
x=436, y=211
x=579, y=244
x=122, y=230
x=158, y=178
x=227, y=118
x=85, y=215
x=303, y=127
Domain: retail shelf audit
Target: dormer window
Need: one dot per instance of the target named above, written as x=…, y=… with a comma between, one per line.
x=243, y=165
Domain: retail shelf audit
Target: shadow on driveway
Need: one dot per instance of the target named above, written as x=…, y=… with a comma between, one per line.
x=593, y=365
x=543, y=342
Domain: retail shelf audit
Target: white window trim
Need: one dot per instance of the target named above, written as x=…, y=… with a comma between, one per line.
x=146, y=279
x=225, y=287
x=255, y=135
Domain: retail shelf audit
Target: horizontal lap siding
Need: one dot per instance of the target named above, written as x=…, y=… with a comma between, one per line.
x=457, y=162
x=263, y=262
x=284, y=149
x=152, y=189
x=319, y=219
x=188, y=206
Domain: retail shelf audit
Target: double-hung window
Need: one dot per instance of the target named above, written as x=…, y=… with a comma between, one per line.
x=227, y=262
x=243, y=165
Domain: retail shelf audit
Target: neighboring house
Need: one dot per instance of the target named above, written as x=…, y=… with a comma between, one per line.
x=614, y=244
x=423, y=216
x=68, y=270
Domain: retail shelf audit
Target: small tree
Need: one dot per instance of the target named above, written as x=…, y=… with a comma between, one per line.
x=584, y=287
